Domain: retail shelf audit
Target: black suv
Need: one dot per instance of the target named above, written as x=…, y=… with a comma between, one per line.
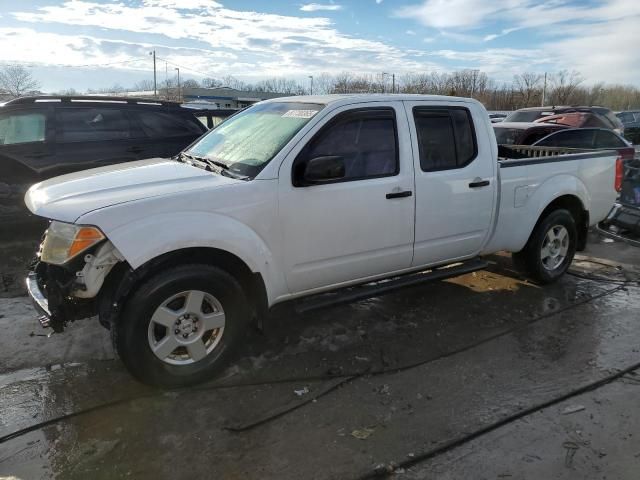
x=42, y=137
x=607, y=118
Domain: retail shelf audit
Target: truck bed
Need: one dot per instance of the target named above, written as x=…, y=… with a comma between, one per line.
x=514, y=155
x=530, y=177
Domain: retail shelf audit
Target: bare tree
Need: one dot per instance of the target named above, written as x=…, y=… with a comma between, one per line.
x=527, y=84
x=17, y=81
x=143, y=86
x=190, y=83
x=563, y=86
x=211, y=82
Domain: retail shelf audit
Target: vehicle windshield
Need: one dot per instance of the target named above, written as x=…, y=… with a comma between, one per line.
x=526, y=115
x=246, y=142
x=507, y=136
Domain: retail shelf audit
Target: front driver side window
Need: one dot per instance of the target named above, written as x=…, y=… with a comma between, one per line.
x=366, y=139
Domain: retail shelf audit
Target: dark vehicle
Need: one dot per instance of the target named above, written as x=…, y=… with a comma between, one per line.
x=631, y=121
x=608, y=118
x=497, y=117
x=47, y=136
x=623, y=222
x=590, y=138
x=517, y=133
x=211, y=118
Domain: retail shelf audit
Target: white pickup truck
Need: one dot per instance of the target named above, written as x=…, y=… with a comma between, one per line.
x=293, y=197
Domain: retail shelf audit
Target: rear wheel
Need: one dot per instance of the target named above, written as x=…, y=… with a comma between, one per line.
x=181, y=326
x=551, y=247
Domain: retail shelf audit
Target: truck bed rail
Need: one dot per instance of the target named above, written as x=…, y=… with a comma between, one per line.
x=516, y=155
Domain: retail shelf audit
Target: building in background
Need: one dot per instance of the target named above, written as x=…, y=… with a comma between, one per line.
x=225, y=97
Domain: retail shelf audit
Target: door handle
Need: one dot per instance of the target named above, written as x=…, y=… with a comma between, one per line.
x=406, y=193
x=478, y=182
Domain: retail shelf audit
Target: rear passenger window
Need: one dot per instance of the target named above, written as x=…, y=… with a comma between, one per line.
x=91, y=124
x=159, y=124
x=446, y=138
x=569, y=139
x=366, y=140
x=22, y=128
x=607, y=139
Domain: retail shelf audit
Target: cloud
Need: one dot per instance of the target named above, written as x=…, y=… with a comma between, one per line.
x=410, y=32
x=261, y=44
x=443, y=14
x=378, y=2
x=316, y=7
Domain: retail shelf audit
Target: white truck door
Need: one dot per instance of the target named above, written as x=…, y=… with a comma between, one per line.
x=357, y=226
x=455, y=180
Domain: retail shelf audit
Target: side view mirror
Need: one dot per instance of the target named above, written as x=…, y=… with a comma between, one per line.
x=323, y=169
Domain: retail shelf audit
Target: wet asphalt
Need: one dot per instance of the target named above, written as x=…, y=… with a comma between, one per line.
x=482, y=376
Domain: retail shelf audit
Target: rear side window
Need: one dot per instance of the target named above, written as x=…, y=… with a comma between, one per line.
x=160, y=124
x=569, y=139
x=91, y=124
x=446, y=138
x=366, y=139
x=606, y=139
x=626, y=117
x=22, y=128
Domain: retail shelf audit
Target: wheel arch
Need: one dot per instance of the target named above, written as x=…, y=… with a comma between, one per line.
x=580, y=214
x=123, y=280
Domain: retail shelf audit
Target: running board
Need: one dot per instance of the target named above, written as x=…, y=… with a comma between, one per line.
x=380, y=287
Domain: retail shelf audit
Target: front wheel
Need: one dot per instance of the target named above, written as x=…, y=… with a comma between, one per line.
x=181, y=326
x=551, y=247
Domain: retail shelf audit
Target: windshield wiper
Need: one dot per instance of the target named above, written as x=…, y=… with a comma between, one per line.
x=207, y=161
x=223, y=168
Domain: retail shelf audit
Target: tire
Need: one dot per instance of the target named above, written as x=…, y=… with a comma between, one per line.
x=548, y=266
x=191, y=343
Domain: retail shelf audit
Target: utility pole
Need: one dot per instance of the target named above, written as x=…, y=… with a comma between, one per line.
x=544, y=90
x=393, y=83
x=311, y=91
x=155, y=84
x=384, y=86
x=179, y=92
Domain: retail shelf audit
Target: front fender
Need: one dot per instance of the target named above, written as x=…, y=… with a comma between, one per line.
x=155, y=235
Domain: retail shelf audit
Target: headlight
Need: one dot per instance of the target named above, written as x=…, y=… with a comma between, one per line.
x=64, y=241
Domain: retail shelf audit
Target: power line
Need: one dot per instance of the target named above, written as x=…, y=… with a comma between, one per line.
x=184, y=67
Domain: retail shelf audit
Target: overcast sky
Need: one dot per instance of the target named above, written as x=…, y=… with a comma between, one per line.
x=257, y=39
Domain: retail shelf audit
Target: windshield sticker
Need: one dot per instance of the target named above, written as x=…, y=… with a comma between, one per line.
x=300, y=113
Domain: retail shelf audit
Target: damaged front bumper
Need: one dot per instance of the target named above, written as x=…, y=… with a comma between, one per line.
x=50, y=288
x=40, y=302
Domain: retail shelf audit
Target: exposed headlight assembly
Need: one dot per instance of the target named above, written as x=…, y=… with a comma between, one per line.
x=64, y=241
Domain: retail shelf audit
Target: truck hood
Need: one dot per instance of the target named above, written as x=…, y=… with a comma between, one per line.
x=68, y=197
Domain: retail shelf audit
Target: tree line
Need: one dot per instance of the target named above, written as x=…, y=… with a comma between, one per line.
x=525, y=90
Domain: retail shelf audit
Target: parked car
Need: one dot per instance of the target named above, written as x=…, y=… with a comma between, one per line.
x=293, y=197
x=631, y=121
x=590, y=138
x=575, y=119
x=523, y=133
x=623, y=222
x=42, y=137
x=497, y=117
x=607, y=117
